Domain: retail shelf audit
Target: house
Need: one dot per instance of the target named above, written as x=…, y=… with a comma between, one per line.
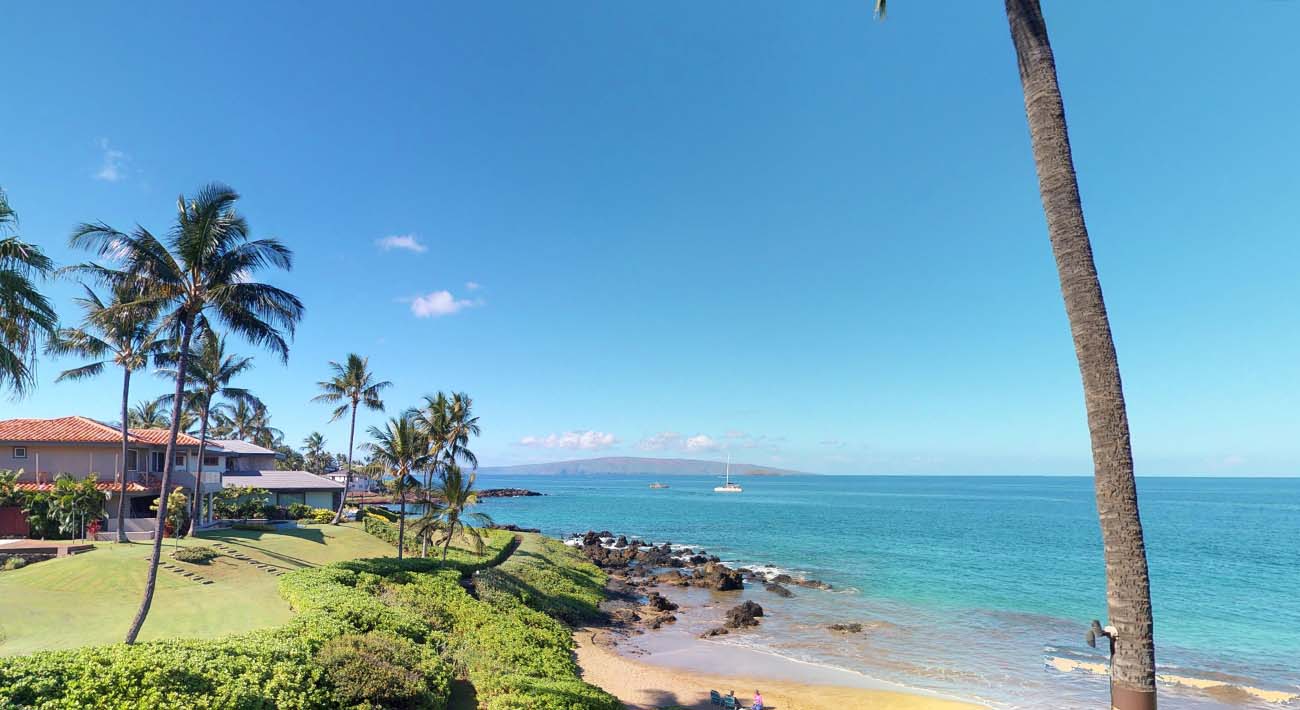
x=80, y=446
x=246, y=465
x=360, y=484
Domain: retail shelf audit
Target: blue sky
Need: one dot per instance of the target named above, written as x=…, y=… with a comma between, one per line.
x=677, y=228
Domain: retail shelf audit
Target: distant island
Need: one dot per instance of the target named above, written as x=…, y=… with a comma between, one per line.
x=629, y=465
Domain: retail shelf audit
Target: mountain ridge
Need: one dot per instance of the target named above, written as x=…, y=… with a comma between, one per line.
x=630, y=465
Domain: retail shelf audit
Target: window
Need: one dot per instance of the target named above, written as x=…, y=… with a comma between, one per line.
x=157, y=460
x=20, y=452
x=209, y=460
x=132, y=460
x=180, y=460
x=288, y=499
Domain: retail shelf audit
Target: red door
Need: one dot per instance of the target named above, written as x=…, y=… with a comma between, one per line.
x=12, y=522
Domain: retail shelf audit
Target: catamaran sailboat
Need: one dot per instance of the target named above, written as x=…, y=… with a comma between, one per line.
x=728, y=487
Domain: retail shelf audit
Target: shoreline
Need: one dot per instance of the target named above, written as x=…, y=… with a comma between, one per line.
x=646, y=686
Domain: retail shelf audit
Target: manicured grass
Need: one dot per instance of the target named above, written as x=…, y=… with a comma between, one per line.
x=90, y=598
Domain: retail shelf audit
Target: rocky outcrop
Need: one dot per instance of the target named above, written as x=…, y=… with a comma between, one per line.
x=778, y=590
x=719, y=578
x=813, y=584
x=507, y=493
x=853, y=628
x=743, y=615
x=716, y=631
x=659, y=602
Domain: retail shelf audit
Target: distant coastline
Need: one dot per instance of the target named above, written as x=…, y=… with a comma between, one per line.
x=637, y=465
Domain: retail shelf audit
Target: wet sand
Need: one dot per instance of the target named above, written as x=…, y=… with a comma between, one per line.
x=643, y=686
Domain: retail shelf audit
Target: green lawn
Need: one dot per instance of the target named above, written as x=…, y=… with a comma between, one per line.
x=90, y=598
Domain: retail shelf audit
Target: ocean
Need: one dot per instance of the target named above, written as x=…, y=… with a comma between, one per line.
x=975, y=587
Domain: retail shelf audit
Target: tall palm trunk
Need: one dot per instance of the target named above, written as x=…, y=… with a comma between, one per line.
x=401, y=524
x=196, y=504
x=1128, y=592
x=160, y=522
x=426, y=533
x=347, y=480
x=126, y=437
x=446, y=543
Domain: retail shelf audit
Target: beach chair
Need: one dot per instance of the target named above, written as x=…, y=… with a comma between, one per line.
x=715, y=698
x=729, y=702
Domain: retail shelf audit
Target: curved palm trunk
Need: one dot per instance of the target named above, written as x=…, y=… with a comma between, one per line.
x=1128, y=591
x=401, y=524
x=426, y=533
x=121, y=491
x=160, y=522
x=196, y=504
x=446, y=544
x=347, y=480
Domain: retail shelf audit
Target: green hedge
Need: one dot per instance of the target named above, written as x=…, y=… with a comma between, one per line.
x=550, y=577
x=497, y=542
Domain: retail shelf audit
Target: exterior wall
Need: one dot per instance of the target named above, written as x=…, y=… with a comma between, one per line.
x=320, y=499
x=79, y=461
x=251, y=462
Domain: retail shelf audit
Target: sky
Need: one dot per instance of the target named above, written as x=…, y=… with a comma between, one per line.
x=778, y=231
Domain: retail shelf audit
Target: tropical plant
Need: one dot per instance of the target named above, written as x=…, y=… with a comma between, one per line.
x=447, y=510
x=25, y=314
x=74, y=503
x=147, y=414
x=288, y=459
x=209, y=376
x=447, y=422
x=205, y=269
x=353, y=385
x=401, y=449
x=178, y=512
x=314, y=457
x=9, y=494
x=1128, y=586
x=113, y=333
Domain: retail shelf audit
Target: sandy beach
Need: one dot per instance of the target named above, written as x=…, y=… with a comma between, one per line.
x=643, y=686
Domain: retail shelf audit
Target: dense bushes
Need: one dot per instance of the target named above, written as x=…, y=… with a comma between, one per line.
x=384, y=513
x=297, y=511
x=381, y=671
x=13, y=563
x=550, y=577
x=321, y=516
x=197, y=555
x=496, y=541
x=367, y=634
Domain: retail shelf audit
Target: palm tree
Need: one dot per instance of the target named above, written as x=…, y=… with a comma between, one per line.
x=25, y=314
x=1128, y=586
x=208, y=377
x=205, y=269
x=112, y=334
x=461, y=425
x=314, y=456
x=434, y=421
x=249, y=421
x=448, y=510
x=352, y=385
x=400, y=449
x=146, y=414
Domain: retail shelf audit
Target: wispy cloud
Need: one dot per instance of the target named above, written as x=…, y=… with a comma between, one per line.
x=409, y=242
x=702, y=442
x=439, y=303
x=472, y=286
x=585, y=440
x=112, y=166
x=674, y=441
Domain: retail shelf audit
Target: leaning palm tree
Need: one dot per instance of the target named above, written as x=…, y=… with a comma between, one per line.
x=1128, y=587
x=352, y=386
x=448, y=510
x=25, y=314
x=112, y=334
x=147, y=414
x=204, y=268
x=401, y=450
x=208, y=377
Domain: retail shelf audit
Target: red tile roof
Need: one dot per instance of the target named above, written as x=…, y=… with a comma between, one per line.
x=81, y=430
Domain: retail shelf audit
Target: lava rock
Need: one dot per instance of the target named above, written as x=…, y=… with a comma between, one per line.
x=716, y=631
x=778, y=590
x=743, y=615
x=854, y=628
x=659, y=602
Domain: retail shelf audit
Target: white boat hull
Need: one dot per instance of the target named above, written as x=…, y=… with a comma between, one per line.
x=728, y=489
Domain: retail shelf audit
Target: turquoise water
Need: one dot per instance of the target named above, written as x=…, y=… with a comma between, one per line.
x=971, y=585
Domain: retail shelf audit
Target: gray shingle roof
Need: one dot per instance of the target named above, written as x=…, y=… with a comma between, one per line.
x=237, y=447
x=279, y=481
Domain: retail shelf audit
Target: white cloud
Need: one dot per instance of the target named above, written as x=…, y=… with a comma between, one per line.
x=113, y=165
x=409, y=242
x=585, y=440
x=702, y=442
x=439, y=303
x=472, y=286
x=662, y=441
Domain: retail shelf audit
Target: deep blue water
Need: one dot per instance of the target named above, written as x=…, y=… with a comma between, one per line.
x=973, y=583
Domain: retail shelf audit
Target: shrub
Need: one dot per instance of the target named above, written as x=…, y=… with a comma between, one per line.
x=384, y=513
x=322, y=515
x=13, y=563
x=260, y=527
x=380, y=671
x=298, y=511
x=196, y=555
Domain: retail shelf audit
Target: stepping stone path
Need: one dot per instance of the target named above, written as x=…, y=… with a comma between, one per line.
x=237, y=555
x=187, y=574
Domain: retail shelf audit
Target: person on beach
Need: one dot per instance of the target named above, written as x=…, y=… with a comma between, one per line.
x=758, y=701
